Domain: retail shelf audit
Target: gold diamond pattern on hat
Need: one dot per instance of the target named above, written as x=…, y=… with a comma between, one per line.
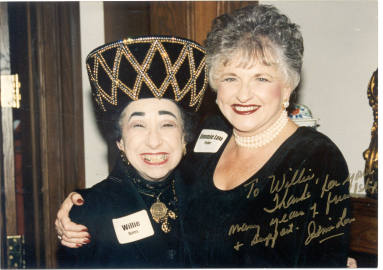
x=142, y=69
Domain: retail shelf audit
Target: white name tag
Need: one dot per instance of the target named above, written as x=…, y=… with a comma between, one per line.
x=210, y=140
x=133, y=227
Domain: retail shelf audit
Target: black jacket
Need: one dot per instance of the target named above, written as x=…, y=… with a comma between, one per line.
x=113, y=198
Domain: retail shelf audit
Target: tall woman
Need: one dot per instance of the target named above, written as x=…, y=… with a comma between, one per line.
x=262, y=192
x=274, y=194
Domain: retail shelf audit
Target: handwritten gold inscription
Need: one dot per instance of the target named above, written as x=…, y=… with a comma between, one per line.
x=242, y=228
x=335, y=199
x=328, y=185
x=286, y=217
x=356, y=186
x=289, y=192
x=253, y=192
x=316, y=230
x=298, y=177
x=287, y=202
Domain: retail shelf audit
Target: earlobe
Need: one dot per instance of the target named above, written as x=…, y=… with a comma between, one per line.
x=183, y=146
x=285, y=104
x=287, y=93
x=184, y=151
x=286, y=97
x=120, y=145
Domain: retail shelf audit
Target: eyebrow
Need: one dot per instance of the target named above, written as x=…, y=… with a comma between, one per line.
x=167, y=112
x=228, y=74
x=262, y=74
x=136, y=114
x=159, y=112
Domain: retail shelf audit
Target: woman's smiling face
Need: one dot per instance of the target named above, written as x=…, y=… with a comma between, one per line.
x=251, y=97
x=152, y=137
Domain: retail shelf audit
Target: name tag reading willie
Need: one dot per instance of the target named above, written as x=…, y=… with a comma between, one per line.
x=133, y=227
x=209, y=141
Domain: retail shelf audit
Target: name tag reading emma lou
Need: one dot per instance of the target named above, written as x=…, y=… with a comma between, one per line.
x=133, y=227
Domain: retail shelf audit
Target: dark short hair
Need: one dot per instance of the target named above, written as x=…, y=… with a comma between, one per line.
x=256, y=30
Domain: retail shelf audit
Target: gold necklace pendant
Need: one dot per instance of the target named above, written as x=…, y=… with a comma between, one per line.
x=158, y=210
x=165, y=227
x=171, y=214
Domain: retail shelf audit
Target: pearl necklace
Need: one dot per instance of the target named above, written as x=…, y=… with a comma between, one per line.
x=264, y=137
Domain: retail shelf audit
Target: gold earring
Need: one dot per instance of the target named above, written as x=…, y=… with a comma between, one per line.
x=123, y=157
x=184, y=149
x=285, y=104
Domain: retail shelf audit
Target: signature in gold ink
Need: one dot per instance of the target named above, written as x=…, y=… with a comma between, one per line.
x=356, y=186
x=286, y=203
x=354, y=177
x=242, y=228
x=315, y=231
x=335, y=200
x=271, y=238
x=286, y=217
x=253, y=192
x=328, y=185
x=238, y=245
x=299, y=177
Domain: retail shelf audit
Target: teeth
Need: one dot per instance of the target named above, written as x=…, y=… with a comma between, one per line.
x=155, y=158
x=245, y=109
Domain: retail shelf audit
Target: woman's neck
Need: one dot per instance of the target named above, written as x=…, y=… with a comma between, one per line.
x=264, y=137
x=144, y=184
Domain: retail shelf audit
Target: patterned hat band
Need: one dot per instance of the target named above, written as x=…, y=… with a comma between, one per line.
x=147, y=67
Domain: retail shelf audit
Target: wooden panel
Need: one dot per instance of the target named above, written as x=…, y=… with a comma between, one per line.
x=204, y=13
x=9, y=171
x=54, y=163
x=170, y=18
x=21, y=42
x=364, y=231
x=8, y=222
x=50, y=125
x=2, y=207
x=72, y=105
x=123, y=19
x=190, y=19
x=8, y=166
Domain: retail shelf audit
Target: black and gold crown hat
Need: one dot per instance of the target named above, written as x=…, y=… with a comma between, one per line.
x=147, y=67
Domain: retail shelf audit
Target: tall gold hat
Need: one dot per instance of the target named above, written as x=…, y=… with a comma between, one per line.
x=147, y=67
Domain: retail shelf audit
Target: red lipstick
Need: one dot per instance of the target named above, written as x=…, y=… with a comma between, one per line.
x=244, y=109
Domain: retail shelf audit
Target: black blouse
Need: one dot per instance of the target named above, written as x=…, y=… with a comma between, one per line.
x=294, y=212
x=122, y=195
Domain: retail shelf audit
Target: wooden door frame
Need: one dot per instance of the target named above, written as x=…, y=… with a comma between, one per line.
x=7, y=172
x=53, y=141
x=57, y=92
x=190, y=19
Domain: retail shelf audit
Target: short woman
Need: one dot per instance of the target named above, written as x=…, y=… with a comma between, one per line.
x=133, y=215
